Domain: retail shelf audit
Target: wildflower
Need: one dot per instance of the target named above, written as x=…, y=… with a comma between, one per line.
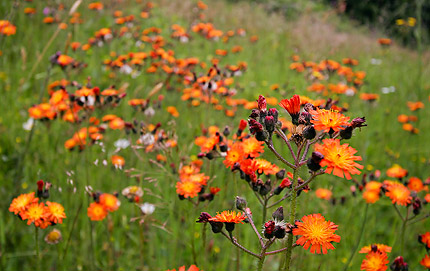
x=20, y=203
x=375, y=261
x=317, y=233
x=371, y=196
x=384, y=41
x=323, y=193
x=379, y=247
x=188, y=189
x=117, y=161
x=413, y=106
x=35, y=213
x=425, y=239
x=398, y=193
x=415, y=184
x=292, y=106
x=192, y=267
x=328, y=120
x=396, y=171
x=426, y=261
x=252, y=147
x=53, y=237
x=56, y=212
x=234, y=155
x=131, y=192
x=147, y=208
x=109, y=202
x=96, y=211
x=339, y=159
x=399, y=264
x=229, y=218
x=173, y=111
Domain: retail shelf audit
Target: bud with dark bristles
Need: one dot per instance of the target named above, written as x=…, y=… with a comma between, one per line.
x=278, y=214
x=309, y=132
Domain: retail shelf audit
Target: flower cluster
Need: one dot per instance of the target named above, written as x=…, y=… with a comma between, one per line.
x=376, y=257
x=102, y=205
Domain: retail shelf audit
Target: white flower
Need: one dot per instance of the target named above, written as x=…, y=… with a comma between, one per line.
x=147, y=139
x=122, y=143
x=28, y=125
x=147, y=208
x=386, y=90
x=149, y=112
x=126, y=69
x=375, y=61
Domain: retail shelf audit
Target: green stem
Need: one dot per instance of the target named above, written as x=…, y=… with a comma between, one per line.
x=402, y=236
x=363, y=225
x=36, y=235
x=292, y=221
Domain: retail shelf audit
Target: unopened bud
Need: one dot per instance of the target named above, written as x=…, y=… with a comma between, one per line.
x=241, y=203
x=278, y=214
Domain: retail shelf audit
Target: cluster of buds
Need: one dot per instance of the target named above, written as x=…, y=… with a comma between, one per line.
x=43, y=189
x=262, y=121
x=399, y=264
x=277, y=227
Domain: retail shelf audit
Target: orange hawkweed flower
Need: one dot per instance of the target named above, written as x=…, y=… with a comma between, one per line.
x=323, y=193
x=375, y=261
x=234, y=155
x=64, y=60
x=379, y=247
x=292, y=106
x=396, y=171
x=328, y=120
x=426, y=262
x=402, y=118
x=371, y=196
x=398, y=193
x=117, y=161
x=339, y=159
x=425, y=239
x=317, y=233
x=173, y=111
x=264, y=166
x=415, y=184
x=20, y=203
x=384, y=41
x=55, y=212
x=229, y=217
x=252, y=147
x=96, y=211
x=182, y=268
x=54, y=237
x=188, y=188
x=109, y=202
x=95, y=6
x=413, y=106
x=35, y=213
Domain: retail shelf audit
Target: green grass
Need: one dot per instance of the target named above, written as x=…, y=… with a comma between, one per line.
x=170, y=232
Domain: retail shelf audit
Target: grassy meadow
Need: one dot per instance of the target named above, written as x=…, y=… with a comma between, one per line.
x=255, y=58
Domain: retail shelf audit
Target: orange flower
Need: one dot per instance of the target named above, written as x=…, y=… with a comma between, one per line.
x=375, y=261
x=425, y=239
x=426, y=262
x=266, y=167
x=339, y=159
x=116, y=124
x=369, y=96
x=379, y=247
x=55, y=212
x=64, y=60
x=182, y=268
x=252, y=147
x=384, y=41
x=96, y=211
x=396, y=171
x=229, y=217
x=20, y=203
x=398, y=193
x=323, y=193
x=292, y=105
x=371, y=196
x=35, y=212
x=317, y=233
x=234, y=155
x=188, y=189
x=109, y=202
x=413, y=106
x=415, y=184
x=173, y=111
x=402, y=118
x=328, y=120
x=95, y=6
x=117, y=161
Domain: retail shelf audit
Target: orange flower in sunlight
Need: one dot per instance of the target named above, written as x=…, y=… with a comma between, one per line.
x=264, y=166
x=292, y=106
x=425, y=239
x=328, y=120
x=316, y=233
x=109, y=202
x=398, y=193
x=182, y=268
x=64, y=60
x=96, y=211
x=95, y=6
x=35, y=212
x=371, y=196
x=20, y=203
x=6, y=28
x=384, y=41
x=339, y=159
x=229, y=217
x=396, y=171
x=55, y=212
x=375, y=261
x=402, y=118
x=188, y=189
x=323, y=193
x=426, y=261
x=173, y=111
x=252, y=147
x=369, y=96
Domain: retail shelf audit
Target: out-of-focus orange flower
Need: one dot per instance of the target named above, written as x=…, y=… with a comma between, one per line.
x=323, y=193
x=182, y=268
x=379, y=247
x=188, y=189
x=109, y=202
x=369, y=96
x=48, y=20
x=402, y=118
x=426, y=261
x=425, y=239
x=415, y=184
x=396, y=171
x=29, y=10
x=234, y=155
x=95, y=6
x=252, y=147
x=384, y=41
x=6, y=28
x=118, y=161
x=398, y=193
x=413, y=106
x=96, y=211
x=173, y=111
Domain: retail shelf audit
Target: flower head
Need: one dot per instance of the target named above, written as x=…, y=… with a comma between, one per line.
x=55, y=212
x=328, y=120
x=35, y=213
x=229, y=217
x=21, y=202
x=375, y=261
x=426, y=262
x=380, y=247
x=109, y=202
x=316, y=233
x=54, y=237
x=292, y=106
x=398, y=193
x=396, y=171
x=96, y=211
x=339, y=159
x=323, y=193
x=188, y=188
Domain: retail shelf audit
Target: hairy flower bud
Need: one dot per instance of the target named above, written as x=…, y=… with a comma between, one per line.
x=262, y=106
x=241, y=203
x=309, y=132
x=278, y=214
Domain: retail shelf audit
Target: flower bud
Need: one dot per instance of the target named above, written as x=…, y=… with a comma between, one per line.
x=399, y=264
x=278, y=215
x=346, y=133
x=358, y=122
x=274, y=113
x=270, y=124
x=241, y=203
x=204, y=217
x=269, y=228
x=216, y=226
x=309, y=132
x=280, y=174
x=262, y=106
x=265, y=189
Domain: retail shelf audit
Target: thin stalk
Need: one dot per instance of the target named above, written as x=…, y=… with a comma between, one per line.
x=285, y=138
x=264, y=210
x=292, y=220
x=249, y=216
x=36, y=235
x=363, y=225
x=282, y=159
x=234, y=242
x=75, y=219
x=402, y=235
